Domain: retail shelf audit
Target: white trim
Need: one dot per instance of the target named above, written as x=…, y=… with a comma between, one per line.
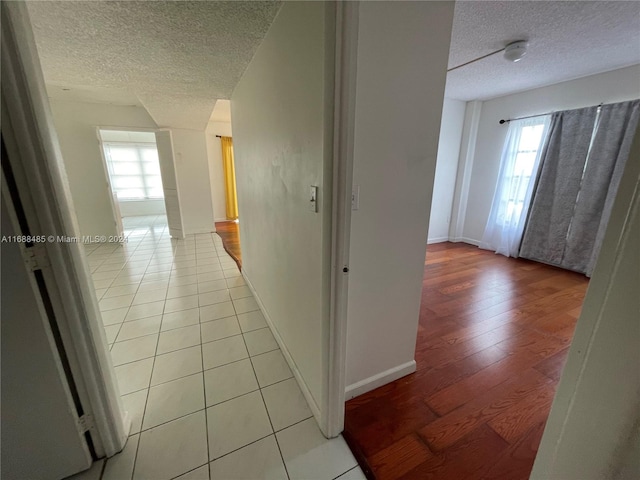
x=382, y=378
x=315, y=409
x=115, y=209
x=44, y=190
x=346, y=50
x=465, y=168
x=194, y=231
x=437, y=240
x=126, y=129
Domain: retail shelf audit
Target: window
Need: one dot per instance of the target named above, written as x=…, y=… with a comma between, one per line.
x=134, y=171
x=518, y=179
x=518, y=169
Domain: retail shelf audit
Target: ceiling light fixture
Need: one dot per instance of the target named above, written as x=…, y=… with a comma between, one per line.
x=513, y=52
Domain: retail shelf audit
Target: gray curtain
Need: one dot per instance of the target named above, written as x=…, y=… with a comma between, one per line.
x=577, y=185
x=608, y=156
x=558, y=184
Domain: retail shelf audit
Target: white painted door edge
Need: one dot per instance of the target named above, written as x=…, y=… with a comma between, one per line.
x=346, y=50
x=43, y=188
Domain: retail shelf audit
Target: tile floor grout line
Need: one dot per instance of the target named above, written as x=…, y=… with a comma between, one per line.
x=204, y=394
x=144, y=410
x=273, y=430
x=345, y=472
x=240, y=448
x=192, y=470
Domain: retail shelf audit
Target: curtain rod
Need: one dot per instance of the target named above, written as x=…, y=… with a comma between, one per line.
x=502, y=122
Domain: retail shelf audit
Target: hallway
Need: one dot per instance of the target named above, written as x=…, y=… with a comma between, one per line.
x=200, y=373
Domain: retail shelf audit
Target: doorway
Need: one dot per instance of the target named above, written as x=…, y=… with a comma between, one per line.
x=229, y=229
x=133, y=169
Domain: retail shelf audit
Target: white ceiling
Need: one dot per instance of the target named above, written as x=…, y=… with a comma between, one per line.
x=567, y=40
x=174, y=58
x=177, y=58
x=109, y=96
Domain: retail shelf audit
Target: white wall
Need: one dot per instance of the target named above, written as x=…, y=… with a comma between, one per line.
x=192, y=170
x=446, y=169
x=465, y=165
x=76, y=124
x=614, y=86
x=134, y=208
x=397, y=127
x=216, y=171
x=282, y=129
x=593, y=429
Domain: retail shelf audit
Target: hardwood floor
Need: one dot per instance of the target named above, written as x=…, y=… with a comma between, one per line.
x=492, y=340
x=230, y=234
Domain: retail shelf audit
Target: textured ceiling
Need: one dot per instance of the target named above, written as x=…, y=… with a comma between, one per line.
x=109, y=96
x=567, y=40
x=176, y=57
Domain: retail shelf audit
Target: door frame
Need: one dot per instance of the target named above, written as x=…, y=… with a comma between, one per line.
x=42, y=186
x=346, y=51
x=117, y=216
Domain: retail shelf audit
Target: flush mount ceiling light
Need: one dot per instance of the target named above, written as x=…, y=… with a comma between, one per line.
x=513, y=52
x=516, y=50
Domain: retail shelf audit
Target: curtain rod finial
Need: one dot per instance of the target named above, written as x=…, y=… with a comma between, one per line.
x=502, y=122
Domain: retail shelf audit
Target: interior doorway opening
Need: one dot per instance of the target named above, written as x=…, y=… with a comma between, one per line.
x=229, y=230
x=135, y=180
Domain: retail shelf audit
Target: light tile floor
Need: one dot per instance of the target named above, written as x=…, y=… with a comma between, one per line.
x=209, y=392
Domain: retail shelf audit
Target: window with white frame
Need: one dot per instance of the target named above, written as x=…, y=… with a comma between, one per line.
x=518, y=179
x=134, y=170
x=518, y=170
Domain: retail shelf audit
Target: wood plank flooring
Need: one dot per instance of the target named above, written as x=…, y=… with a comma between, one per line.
x=230, y=234
x=493, y=338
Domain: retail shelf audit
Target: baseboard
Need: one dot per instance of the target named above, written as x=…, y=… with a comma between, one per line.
x=287, y=356
x=194, y=231
x=437, y=240
x=380, y=379
x=470, y=241
x=126, y=422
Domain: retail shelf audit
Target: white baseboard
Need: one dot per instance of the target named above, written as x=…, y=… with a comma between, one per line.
x=193, y=231
x=315, y=409
x=126, y=421
x=437, y=240
x=470, y=241
x=380, y=379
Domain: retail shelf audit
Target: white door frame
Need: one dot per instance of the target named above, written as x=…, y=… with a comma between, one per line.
x=346, y=50
x=42, y=186
x=117, y=214
x=115, y=208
